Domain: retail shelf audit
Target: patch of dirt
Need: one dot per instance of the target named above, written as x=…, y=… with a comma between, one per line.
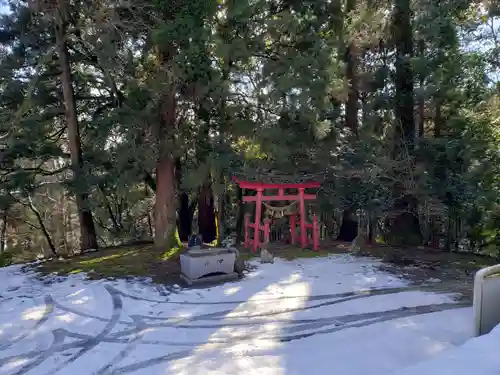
x=424, y=266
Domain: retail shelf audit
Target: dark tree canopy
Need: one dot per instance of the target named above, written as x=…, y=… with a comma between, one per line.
x=126, y=121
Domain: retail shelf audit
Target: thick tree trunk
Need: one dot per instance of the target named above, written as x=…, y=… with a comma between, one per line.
x=166, y=181
x=349, y=227
x=3, y=232
x=88, y=238
x=404, y=229
x=350, y=61
x=206, y=214
x=371, y=228
x=221, y=216
x=241, y=215
x=405, y=121
x=165, y=202
x=185, y=217
x=421, y=99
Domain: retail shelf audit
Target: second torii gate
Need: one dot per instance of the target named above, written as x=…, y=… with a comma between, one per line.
x=301, y=197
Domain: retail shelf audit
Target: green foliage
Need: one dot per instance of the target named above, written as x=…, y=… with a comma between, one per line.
x=260, y=89
x=6, y=259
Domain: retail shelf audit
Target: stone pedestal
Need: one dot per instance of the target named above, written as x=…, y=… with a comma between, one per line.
x=486, y=305
x=207, y=265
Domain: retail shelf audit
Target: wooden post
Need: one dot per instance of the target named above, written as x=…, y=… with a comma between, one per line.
x=315, y=234
x=247, y=230
x=293, y=228
x=258, y=210
x=302, y=211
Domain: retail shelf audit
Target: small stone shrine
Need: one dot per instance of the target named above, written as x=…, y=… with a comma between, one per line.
x=207, y=265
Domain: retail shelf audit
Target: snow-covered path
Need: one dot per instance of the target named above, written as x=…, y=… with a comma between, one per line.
x=336, y=315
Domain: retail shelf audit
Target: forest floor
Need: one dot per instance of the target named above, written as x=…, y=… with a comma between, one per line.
x=414, y=264
x=293, y=317
x=119, y=262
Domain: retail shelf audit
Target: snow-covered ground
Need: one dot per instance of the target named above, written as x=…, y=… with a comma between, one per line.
x=337, y=315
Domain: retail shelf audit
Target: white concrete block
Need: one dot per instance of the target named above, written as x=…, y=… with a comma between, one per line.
x=486, y=300
x=198, y=263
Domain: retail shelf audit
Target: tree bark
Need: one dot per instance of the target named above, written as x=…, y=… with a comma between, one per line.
x=165, y=202
x=421, y=99
x=221, y=215
x=88, y=238
x=241, y=215
x=166, y=181
x=371, y=228
x=350, y=61
x=3, y=231
x=404, y=229
x=349, y=227
x=185, y=210
x=403, y=34
x=206, y=213
x=185, y=217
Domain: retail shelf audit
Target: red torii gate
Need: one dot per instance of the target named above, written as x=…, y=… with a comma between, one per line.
x=301, y=197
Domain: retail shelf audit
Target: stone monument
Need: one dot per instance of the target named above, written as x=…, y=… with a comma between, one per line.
x=207, y=265
x=486, y=304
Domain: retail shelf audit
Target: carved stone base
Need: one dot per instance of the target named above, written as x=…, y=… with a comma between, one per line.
x=198, y=263
x=210, y=279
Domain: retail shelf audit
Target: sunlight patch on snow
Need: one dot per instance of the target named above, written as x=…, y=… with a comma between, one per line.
x=436, y=348
x=253, y=326
x=34, y=313
x=185, y=314
x=66, y=318
x=405, y=323
x=81, y=301
x=369, y=279
x=231, y=291
x=11, y=365
x=76, y=293
x=294, y=277
x=247, y=340
x=254, y=274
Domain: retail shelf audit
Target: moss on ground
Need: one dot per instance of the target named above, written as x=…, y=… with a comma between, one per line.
x=469, y=262
x=138, y=260
x=163, y=266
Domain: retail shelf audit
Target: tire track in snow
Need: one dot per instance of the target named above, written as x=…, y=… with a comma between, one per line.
x=49, y=309
x=386, y=316
x=341, y=323
x=115, y=316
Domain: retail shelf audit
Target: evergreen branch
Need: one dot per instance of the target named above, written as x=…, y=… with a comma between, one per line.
x=26, y=104
x=57, y=135
x=36, y=170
